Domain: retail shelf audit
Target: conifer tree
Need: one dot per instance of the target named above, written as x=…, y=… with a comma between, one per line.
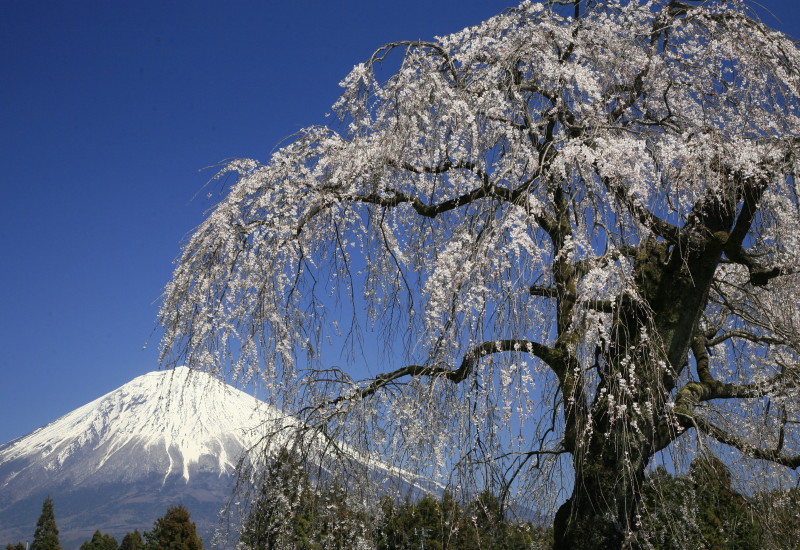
x=724, y=516
x=778, y=518
x=100, y=542
x=174, y=531
x=700, y=509
x=445, y=525
x=282, y=511
x=288, y=512
x=132, y=541
x=46, y=535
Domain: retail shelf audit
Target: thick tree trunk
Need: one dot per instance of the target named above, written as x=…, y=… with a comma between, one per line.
x=610, y=462
x=601, y=513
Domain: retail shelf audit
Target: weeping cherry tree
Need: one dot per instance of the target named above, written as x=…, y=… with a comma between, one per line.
x=574, y=232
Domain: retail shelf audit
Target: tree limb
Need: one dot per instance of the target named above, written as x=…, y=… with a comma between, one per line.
x=455, y=375
x=747, y=448
x=743, y=334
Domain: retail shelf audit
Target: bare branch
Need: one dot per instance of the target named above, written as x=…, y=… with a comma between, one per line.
x=747, y=448
x=743, y=334
x=455, y=375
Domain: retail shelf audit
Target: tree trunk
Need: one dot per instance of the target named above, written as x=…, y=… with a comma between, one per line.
x=611, y=461
x=601, y=513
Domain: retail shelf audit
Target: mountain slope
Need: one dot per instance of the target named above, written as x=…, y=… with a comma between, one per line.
x=117, y=463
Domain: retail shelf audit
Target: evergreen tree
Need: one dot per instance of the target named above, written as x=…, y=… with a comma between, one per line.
x=484, y=526
x=282, y=515
x=668, y=512
x=100, y=542
x=777, y=512
x=132, y=541
x=698, y=510
x=46, y=535
x=339, y=525
x=724, y=518
x=444, y=525
x=174, y=531
x=289, y=513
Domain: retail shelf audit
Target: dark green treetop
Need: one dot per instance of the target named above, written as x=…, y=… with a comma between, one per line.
x=100, y=541
x=288, y=512
x=46, y=535
x=132, y=541
x=700, y=509
x=174, y=531
x=446, y=525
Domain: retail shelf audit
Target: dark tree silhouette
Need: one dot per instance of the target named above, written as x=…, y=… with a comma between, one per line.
x=100, y=541
x=132, y=541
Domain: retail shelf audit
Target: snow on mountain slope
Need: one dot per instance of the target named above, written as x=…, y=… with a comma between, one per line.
x=116, y=463
x=170, y=422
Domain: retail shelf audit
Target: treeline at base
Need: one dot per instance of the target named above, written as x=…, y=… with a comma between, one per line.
x=700, y=509
x=173, y=530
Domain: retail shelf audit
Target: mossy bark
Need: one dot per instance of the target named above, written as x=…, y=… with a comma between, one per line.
x=651, y=339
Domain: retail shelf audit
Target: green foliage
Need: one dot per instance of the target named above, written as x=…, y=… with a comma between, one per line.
x=725, y=519
x=778, y=514
x=444, y=525
x=282, y=514
x=700, y=510
x=289, y=513
x=46, y=535
x=132, y=541
x=174, y=531
x=18, y=546
x=406, y=525
x=100, y=542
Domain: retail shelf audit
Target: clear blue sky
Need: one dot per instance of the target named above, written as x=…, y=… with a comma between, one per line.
x=109, y=111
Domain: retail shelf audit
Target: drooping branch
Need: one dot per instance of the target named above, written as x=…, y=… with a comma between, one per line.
x=642, y=214
x=709, y=388
x=744, y=335
x=744, y=446
x=381, y=53
x=455, y=375
x=760, y=275
x=544, y=291
x=393, y=197
x=604, y=306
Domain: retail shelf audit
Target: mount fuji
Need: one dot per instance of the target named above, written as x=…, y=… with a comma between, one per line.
x=117, y=463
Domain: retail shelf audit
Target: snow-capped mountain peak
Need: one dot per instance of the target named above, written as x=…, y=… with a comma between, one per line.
x=166, y=437
x=183, y=419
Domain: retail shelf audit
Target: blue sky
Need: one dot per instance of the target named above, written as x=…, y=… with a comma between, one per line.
x=110, y=111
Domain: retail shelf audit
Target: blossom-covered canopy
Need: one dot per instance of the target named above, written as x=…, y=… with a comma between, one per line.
x=575, y=228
